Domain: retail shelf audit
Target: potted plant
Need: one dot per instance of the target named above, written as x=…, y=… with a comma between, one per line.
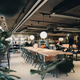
x=5, y=44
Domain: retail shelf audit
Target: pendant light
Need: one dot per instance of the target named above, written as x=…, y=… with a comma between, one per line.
x=43, y=34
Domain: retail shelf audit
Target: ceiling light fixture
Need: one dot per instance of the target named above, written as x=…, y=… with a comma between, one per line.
x=61, y=39
x=32, y=37
x=43, y=34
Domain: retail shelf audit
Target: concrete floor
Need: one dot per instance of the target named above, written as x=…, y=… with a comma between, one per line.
x=23, y=70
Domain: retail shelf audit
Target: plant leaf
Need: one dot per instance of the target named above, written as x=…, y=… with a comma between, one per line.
x=7, y=70
x=15, y=76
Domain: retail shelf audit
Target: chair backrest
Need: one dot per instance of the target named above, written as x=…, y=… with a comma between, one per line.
x=25, y=51
x=36, y=53
x=61, y=56
x=40, y=57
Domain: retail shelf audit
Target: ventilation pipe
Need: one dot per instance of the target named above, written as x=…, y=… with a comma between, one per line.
x=64, y=16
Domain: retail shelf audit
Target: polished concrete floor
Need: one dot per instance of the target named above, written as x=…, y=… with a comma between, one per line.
x=23, y=70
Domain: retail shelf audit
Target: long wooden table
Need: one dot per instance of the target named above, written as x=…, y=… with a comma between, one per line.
x=49, y=55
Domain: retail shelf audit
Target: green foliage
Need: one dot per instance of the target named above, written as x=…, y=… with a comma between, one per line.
x=3, y=36
x=6, y=70
x=7, y=77
x=64, y=66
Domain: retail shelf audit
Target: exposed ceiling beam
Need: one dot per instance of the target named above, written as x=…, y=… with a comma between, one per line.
x=50, y=22
x=37, y=28
x=67, y=28
x=28, y=15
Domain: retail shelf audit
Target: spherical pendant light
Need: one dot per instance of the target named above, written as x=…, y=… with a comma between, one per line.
x=61, y=39
x=43, y=34
x=32, y=37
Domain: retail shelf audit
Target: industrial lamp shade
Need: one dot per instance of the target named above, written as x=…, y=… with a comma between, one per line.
x=61, y=39
x=43, y=34
x=32, y=37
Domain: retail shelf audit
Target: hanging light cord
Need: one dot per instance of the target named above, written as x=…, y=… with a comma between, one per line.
x=43, y=20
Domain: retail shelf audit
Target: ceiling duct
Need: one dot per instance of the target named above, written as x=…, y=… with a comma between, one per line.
x=38, y=28
x=51, y=26
x=67, y=29
x=65, y=16
x=57, y=34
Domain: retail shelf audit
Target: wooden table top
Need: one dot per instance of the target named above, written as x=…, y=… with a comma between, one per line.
x=47, y=52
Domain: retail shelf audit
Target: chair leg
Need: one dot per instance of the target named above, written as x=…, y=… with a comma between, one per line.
x=28, y=59
x=39, y=66
x=42, y=66
x=56, y=73
x=31, y=60
x=66, y=74
x=33, y=63
x=42, y=77
x=73, y=71
x=36, y=63
x=53, y=73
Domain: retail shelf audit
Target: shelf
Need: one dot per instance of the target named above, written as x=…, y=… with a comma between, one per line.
x=20, y=40
x=44, y=42
x=16, y=44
